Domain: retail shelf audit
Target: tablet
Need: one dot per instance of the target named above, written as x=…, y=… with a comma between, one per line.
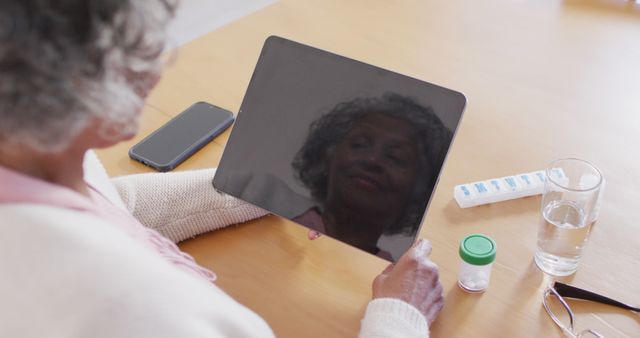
x=342, y=147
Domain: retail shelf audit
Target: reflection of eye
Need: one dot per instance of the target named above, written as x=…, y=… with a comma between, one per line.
x=399, y=157
x=396, y=158
x=359, y=142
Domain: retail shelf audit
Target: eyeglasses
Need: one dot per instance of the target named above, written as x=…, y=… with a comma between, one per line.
x=558, y=290
x=550, y=294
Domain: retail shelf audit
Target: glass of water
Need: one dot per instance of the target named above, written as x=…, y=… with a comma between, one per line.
x=570, y=205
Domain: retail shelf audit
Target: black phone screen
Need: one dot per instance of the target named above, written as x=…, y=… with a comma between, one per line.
x=183, y=135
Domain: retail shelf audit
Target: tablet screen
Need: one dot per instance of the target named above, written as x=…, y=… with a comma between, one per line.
x=339, y=146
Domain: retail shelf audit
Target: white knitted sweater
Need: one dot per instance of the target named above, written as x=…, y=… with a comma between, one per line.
x=181, y=205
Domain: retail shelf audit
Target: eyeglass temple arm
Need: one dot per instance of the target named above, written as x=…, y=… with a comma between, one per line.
x=569, y=291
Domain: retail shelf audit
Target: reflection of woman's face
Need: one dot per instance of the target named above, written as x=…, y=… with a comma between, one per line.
x=373, y=169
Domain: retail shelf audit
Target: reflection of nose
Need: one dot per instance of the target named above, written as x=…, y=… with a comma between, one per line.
x=372, y=160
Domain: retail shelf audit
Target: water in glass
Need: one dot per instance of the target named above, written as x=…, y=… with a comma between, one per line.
x=562, y=235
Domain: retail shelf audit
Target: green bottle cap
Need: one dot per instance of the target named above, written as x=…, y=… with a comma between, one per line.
x=478, y=249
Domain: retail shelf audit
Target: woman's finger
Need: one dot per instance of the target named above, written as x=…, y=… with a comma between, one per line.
x=312, y=234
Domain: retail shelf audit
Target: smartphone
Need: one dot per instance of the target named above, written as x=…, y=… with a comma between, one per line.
x=181, y=137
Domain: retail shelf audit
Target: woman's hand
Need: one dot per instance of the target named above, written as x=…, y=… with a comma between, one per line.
x=312, y=234
x=413, y=279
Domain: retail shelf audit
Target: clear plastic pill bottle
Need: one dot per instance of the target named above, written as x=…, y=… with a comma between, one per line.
x=477, y=253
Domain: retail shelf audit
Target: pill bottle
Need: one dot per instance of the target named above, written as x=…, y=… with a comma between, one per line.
x=477, y=253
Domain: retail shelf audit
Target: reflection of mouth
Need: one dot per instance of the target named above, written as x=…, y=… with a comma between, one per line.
x=367, y=182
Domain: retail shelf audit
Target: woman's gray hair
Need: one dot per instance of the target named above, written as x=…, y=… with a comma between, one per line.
x=64, y=63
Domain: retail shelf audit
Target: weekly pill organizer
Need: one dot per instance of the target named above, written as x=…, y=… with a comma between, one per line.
x=504, y=188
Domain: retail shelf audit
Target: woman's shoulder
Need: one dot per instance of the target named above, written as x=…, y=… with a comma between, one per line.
x=60, y=240
x=57, y=240
x=71, y=267
x=45, y=225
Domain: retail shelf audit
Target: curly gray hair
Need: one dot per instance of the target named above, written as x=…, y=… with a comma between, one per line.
x=65, y=62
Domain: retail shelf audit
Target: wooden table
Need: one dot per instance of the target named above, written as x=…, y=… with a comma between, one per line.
x=544, y=79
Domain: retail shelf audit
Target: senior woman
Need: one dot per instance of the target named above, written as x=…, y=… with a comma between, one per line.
x=370, y=164
x=85, y=256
